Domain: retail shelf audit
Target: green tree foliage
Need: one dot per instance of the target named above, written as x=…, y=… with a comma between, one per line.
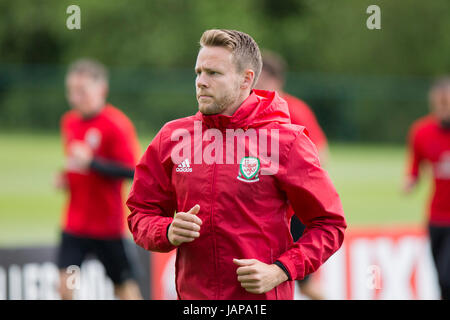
x=351, y=76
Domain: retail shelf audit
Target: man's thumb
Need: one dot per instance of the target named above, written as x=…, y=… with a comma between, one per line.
x=195, y=209
x=243, y=262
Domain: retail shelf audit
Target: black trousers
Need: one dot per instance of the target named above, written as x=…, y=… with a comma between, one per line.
x=111, y=253
x=440, y=248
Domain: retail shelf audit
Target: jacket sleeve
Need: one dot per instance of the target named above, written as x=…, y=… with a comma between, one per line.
x=316, y=203
x=123, y=144
x=151, y=201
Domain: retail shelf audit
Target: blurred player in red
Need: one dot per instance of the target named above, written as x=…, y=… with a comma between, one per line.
x=429, y=142
x=272, y=78
x=101, y=149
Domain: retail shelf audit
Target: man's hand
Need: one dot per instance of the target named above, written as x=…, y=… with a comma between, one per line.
x=258, y=277
x=60, y=181
x=409, y=184
x=81, y=155
x=185, y=227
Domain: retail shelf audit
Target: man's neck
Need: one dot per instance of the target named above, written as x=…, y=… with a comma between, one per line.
x=91, y=115
x=231, y=110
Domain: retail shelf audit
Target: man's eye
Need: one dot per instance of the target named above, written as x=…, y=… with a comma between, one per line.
x=211, y=73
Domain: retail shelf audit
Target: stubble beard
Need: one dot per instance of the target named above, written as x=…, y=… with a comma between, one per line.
x=210, y=108
x=218, y=106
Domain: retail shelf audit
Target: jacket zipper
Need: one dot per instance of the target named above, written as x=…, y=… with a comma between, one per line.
x=212, y=231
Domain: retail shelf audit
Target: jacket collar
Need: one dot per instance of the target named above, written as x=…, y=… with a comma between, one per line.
x=260, y=107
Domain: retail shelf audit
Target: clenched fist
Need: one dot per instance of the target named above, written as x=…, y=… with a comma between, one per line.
x=258, y=277
x=185, y=227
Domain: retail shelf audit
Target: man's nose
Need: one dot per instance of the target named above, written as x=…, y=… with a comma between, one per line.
x=201, y=81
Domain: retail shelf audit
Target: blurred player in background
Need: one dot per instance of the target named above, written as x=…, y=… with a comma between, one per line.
x=429, y=142
x=101, y=149
x=273, y=78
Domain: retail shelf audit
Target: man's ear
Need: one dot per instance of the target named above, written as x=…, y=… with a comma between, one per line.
x=247, y=80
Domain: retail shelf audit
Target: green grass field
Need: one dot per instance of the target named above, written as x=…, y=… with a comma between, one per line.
x=367, y=177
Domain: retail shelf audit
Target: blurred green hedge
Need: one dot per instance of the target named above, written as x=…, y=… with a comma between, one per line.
x=349, y=108
x=365, y=85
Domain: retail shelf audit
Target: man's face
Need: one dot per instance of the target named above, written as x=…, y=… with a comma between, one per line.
x=440, y=103
x=85, y=94
x=218, y=82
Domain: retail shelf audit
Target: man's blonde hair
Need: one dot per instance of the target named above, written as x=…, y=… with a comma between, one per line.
x=442, y=82
x=245, y=50
x=93, y=68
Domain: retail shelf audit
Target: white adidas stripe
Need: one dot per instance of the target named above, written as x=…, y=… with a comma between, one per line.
x=184, y=166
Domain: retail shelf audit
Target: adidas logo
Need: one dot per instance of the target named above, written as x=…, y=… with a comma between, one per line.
x=184, y=166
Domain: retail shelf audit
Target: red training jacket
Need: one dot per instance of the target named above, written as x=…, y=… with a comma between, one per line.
x=244, y=212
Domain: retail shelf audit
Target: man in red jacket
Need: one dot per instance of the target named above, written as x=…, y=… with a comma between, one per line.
x=429, y=142
x=216, y=186
x=101, y=149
